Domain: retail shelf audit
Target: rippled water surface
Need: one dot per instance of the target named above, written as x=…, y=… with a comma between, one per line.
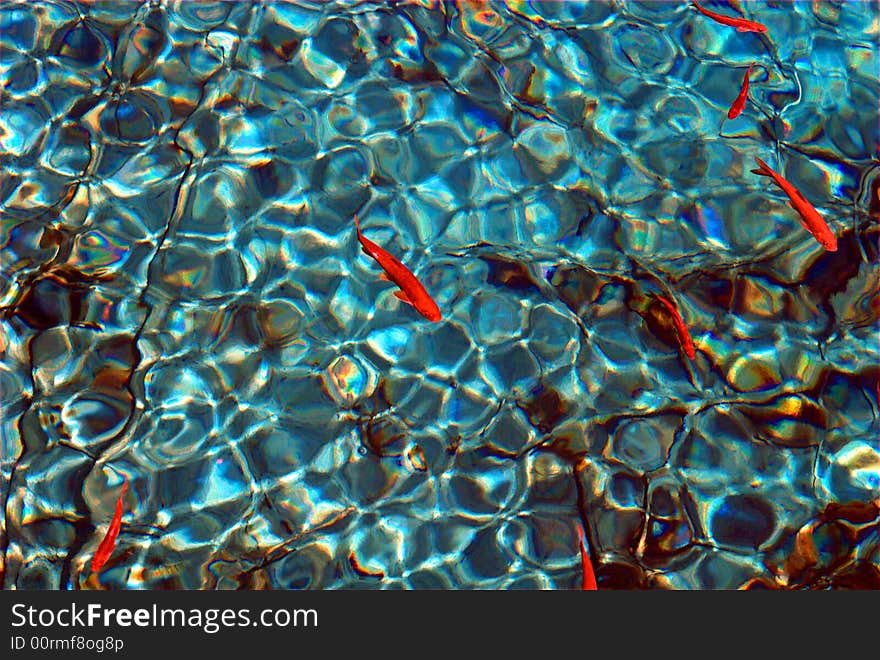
x=185, y=302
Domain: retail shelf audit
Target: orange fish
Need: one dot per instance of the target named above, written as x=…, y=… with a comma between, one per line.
x=109, y=543
x=588, y=583
x=741, y=24
x=411, y=290
x=811, y=221
x=740, y=101
x=684, y=337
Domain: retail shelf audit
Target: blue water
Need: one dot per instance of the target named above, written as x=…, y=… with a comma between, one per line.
x=185, y=302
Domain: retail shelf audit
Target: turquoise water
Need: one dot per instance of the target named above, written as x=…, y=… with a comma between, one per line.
x=185, y=302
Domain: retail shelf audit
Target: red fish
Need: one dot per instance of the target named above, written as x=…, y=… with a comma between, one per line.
x=684, y=337
x=740, y=101
x=411, y=290
x=741, y=24
x=109, y=543
x=588, y=583
x=811, y=221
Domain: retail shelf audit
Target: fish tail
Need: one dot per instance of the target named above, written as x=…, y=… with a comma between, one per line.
x=588, y=576
x=765, y=169
x=696, y=5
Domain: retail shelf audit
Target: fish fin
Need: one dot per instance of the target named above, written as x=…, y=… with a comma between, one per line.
x=400, y=295
x=760, y=173
x=383, y=276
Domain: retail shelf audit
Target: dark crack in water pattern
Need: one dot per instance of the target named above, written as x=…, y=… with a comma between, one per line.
x=185, y=302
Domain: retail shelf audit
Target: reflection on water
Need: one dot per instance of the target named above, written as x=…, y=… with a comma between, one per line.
x=185, y=301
